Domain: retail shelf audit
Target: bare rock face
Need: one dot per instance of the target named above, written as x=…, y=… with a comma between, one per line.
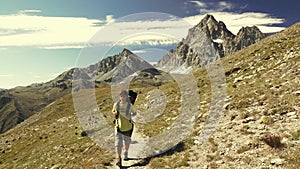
x=117, y=67
x=247, y=36
x=208, y=41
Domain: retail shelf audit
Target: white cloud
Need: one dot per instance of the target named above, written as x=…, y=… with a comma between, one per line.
x=235, y=21
x=139, y=51
x=206, y=7
x=6, y=75
x=29, y=11
x=110, y=19
x=65, y=46
x=153, y=32
x=199, y=4
x=222, y=5
x=23, y=29
x=33, y=30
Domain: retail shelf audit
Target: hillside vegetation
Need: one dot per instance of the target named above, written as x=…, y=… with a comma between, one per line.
x=259, y=127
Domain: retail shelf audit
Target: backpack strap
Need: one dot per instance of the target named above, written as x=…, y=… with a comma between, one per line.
x=118, y=106
x=127, y=110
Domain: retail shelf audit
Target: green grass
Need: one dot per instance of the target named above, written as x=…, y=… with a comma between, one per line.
x=292, y=156
x=45, y=141
x=176, y=160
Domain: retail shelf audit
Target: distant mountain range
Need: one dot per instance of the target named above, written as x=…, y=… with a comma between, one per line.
x=207, y=41
x=20, y=103
x=258, y=126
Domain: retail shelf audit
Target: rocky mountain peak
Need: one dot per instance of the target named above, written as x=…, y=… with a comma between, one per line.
x=125, y=53
x=109, y=63
x=207, y=20
x=247, y=36
x=209, y=31
x=212, y=28
x=250, y=31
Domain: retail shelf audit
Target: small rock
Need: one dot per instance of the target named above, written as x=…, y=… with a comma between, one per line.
x=248, y=119
x=237, y=80
x=284, y=140
x=291, y=113
x=205, y=167
x=277, y=161
x=220, y=162
x=297, y=93
x=294, y=117
x=261, y=127
x=197, y=142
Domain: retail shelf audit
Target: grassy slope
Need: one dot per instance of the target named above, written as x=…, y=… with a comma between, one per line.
x=261, y=80
x=51, y=137
x=26, y=101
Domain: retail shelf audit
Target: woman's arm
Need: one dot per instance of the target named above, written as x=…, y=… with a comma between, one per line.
x=132, y=111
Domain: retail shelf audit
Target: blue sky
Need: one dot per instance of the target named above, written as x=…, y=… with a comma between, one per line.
x=39, y=39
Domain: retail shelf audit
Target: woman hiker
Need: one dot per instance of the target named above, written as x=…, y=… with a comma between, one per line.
x=123, y=111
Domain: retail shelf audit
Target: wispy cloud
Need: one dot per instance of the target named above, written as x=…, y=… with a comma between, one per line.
x=199, y=4
x=223, y=11
x=26, y=28
x=7, y=75
x=235, y=21
x=206, y=7
x=64, y=46
x=29, y=11
x=139, y=51
x=145, y=30
x=23, y=29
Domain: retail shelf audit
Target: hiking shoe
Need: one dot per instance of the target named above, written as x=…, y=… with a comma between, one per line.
x=126, y=156
x=119, y=163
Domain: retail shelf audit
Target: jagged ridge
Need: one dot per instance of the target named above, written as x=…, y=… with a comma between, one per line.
x=209, y=35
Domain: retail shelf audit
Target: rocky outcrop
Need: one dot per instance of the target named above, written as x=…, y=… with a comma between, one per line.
x=247, y=36
x=208, y=41
x=116, y=67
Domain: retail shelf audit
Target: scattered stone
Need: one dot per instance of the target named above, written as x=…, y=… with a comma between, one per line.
x=291, y=114
x=297, y=93
x=261, y=127
x=249, y=119
x=220, y=162
x=205, y=167
x=277, y=161
x=284, y=140
x=83, y=134
x=294, y=117
x=63, y=119
x=197, y=142
x=239, y=79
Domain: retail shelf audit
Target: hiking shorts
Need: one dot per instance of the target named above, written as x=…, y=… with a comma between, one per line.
x=121, y=136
